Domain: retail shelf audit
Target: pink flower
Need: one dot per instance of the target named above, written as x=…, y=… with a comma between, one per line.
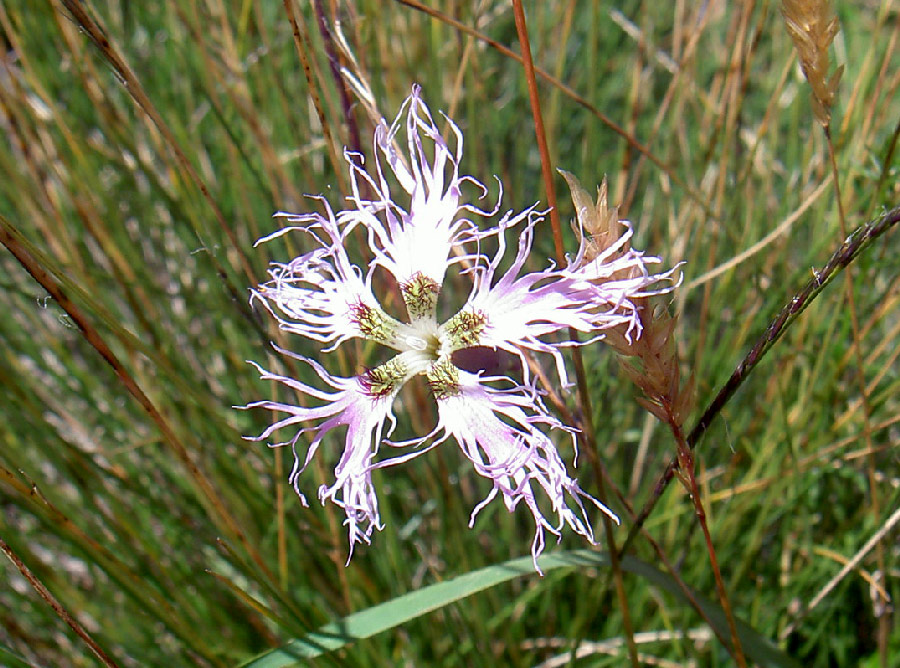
x=499, y=423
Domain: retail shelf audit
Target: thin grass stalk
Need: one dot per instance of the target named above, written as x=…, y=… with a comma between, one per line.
x=206, y=491
x=695, y=195
x=563, y=35
x=724, y=127
x=685, y=458
x=131, y=342
x=871, y=470
x=159, y=607
x=581, y=379
x=301, y=40
x=241, y=99
x=812, y=26
x=861, y=238
x=663, y=106
x=61, y=612
x=98, y=35
x=885, y=88
x=331, y=52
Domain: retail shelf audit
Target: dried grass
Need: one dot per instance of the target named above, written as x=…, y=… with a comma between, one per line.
x=812, y=26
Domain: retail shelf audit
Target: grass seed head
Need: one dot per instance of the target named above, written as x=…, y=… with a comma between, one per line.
x=812, y=26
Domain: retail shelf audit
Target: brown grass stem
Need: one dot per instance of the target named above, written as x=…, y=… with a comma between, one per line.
x=301, y=41
x=98, y=35
x=206, y=492
x=685, y=456
x=581, y=379
x=861, y=238
x=63, y=614
x=334, y=64
x=569, y=92
x=871, y=465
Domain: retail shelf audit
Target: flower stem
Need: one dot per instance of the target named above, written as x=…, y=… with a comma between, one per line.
x=685, y=458
x=583, y=396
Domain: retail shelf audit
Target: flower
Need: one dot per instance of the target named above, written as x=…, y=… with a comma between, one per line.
x=499, y=423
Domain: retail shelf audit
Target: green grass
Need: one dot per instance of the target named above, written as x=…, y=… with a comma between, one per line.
x=173, y=541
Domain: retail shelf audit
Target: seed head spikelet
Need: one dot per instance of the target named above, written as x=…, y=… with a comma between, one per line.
x=812, y=26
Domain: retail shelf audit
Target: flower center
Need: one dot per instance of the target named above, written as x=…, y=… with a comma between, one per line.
x=419, y=344
x=416, y=343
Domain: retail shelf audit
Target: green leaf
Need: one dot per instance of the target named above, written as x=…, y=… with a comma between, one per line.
x=378, y=618
x=11, y=659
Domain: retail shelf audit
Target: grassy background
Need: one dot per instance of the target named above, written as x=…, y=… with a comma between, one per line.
x=174, y=542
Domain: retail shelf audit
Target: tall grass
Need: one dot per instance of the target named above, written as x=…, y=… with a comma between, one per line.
x=145, y=148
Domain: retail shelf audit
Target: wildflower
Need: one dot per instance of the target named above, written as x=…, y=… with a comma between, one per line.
x=499, y=423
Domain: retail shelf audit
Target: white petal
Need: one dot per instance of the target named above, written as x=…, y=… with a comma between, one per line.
x=518, y=309
x=419, y=237
x=514, y=454
x=364, y=416
x=322, y=295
